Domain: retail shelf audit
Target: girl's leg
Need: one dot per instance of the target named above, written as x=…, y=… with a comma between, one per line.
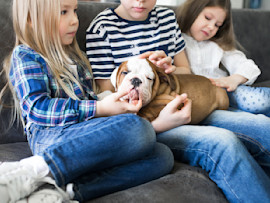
x=224, y=157
x=96, y=146
x=252, y=129
x=121, y=177
x=251, y=99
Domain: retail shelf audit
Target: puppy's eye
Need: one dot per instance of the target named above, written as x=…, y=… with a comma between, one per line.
x=149, y=78
x=124, y=73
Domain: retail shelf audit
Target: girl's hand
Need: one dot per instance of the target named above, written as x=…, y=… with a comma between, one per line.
x=170, y=117
x=160, y=59
x=112, y=105
x=230, y=83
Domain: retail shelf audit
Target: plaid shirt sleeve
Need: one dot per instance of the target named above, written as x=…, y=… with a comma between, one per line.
x=34, y=87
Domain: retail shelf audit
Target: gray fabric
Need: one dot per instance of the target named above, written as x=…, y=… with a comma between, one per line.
x=10, y=134
x=185, y=183
x=252, y=31
x=14, y=151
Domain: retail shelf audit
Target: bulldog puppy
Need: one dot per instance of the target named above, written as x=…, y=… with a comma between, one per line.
x=146, y=81
x=138, y=77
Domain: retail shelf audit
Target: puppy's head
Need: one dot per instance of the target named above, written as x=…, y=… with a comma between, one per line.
x=136, y=75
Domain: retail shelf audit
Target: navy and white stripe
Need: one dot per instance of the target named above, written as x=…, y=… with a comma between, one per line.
x=110, y=39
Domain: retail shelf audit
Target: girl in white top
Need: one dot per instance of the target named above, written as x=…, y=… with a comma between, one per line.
x=211, y=49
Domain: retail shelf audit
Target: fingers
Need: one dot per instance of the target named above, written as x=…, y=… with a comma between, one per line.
x=136, y=106
x=157, y=55
x=145, y=54
x=119, y=94
x=213, y=81
x=164, y=61
x=153, y=55
x=132, y=107
x=187, y=106
x=179, y=99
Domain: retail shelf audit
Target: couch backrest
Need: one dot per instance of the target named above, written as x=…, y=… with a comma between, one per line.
x=252, y=30
x=251, y=27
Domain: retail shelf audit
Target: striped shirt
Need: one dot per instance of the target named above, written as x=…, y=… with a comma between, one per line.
x=111, y=40
x=36, y=90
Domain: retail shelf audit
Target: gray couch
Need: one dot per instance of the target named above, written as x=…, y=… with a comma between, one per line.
x=184, y=183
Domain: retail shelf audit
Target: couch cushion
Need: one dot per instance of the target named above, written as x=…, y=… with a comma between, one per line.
x=14, y=151
x=184, y=184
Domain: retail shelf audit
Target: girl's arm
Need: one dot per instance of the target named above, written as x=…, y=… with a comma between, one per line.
x=237, y=64
x=230, y=83
x=36, y=88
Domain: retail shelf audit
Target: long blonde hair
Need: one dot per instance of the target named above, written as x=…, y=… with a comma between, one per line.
x=36, y=24
x=190, y=10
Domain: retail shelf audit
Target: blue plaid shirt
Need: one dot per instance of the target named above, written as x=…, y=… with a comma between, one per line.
x=36, y=90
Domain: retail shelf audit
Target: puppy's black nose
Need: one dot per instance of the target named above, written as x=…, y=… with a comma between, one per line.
x=136, y=82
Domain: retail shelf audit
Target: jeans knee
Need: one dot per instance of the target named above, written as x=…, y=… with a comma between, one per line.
x=166, y=158
x=139, y=133
x=228, y=143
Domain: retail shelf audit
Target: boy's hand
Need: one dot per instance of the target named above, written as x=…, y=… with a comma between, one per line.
x=113, y=105
x=160, y=59
x=170, y=117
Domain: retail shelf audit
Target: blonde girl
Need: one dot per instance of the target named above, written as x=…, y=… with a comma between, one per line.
x=208, y=32
x=68, y=130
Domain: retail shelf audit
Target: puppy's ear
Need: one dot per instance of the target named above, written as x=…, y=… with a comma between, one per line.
x=156, y=81
x=117, y=77
x=163, y=77
x=113, y=77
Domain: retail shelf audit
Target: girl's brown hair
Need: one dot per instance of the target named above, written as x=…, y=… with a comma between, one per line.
x=188, y=12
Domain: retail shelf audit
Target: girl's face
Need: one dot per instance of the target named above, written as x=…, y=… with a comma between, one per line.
x=69, y=22
x=207, y=23
x=135, y=10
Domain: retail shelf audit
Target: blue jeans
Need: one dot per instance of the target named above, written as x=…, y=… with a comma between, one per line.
x=251, y=99
x=102, y=155
x=235, y=165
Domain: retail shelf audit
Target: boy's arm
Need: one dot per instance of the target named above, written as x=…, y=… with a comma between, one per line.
x=105, y=84
x=160, y=59
x=181, y=63
x=99, y=54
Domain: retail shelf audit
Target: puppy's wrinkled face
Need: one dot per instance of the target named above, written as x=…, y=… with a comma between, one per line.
x=137, y=76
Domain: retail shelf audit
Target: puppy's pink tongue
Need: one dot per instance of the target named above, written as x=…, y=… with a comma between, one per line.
x=133, y=96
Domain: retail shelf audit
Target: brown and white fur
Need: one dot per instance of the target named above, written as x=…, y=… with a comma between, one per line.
x=143, y=79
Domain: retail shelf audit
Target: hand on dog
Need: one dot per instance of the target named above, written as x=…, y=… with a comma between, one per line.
x=171, y=117
x=160, y=59
x=230, y=83
x=113, y=105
